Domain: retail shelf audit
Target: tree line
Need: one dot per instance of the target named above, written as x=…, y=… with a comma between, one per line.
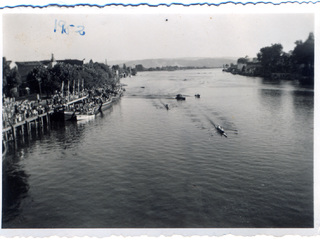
x=44, y=80
x=141, y=68
x=296, y=64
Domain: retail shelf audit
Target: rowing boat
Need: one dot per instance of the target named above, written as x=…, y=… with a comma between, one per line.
x=221, y=130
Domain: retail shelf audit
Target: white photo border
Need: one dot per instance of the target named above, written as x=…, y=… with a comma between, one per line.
x=223, y=8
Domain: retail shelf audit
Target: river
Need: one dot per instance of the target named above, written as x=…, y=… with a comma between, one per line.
x=139, y=165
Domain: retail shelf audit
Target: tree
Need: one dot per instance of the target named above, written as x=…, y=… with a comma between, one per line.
x=36, y=77
x=270, y=58
x=303, y=55
x=49, y=84
x=139, y=68
x=64, y=73
x=134, y=71
x=11, y=78
x=5, y=75
x=243, y=60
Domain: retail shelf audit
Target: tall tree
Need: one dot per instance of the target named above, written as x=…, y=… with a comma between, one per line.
x=11, y=77
x=270, y=58
x=36, y=78
x=64, y=72
x=303, y=55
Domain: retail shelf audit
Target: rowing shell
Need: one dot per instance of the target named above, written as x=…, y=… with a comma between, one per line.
x=221, y=131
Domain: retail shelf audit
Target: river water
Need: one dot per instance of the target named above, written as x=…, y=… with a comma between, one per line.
x=140, y=165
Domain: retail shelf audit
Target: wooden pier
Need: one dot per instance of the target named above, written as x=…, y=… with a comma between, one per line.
x=38, y=123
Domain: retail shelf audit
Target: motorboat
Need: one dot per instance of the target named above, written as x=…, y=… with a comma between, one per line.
x=180, y=97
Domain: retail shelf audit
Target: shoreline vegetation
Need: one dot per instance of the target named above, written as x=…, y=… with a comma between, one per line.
x=46, y=78
x=273, y=63
x=141, y=68
x=56, y=88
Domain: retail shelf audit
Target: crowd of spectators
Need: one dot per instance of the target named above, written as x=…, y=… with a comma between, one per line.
x=14, y=111
x=18, y=111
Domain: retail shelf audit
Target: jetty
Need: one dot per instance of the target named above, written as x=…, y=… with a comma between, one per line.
x=38, y=123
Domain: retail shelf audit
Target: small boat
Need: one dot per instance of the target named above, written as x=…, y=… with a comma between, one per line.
x=90, y=109
x=105, y=105
x=70, y=110
x=180, y=97
x=116, y=97
x=86, y=115
x=68, y=115
x=221, y=130
x=82, y=117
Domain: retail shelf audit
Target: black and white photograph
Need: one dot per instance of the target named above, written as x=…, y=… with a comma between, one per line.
x=158, y=120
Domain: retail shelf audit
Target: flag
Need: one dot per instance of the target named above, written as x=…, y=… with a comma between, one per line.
x=68, y=87
x=62, y=87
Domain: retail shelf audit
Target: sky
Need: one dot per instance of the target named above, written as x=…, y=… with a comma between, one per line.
x=113, y=37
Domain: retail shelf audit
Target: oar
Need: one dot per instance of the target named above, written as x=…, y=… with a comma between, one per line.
x=231, y=129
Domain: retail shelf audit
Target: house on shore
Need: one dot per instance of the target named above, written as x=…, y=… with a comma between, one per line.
x=245, y=66
x=25, y=67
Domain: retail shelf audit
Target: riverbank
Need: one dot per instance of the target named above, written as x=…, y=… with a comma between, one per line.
x=21, y=118
x=303, y=80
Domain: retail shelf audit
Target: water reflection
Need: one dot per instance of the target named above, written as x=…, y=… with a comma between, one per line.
x=271, y=92
x=303, y=102
x=303, y=98
x=269, y=81
x=282, y=83
x=271, y=99
x=15, y=187
x=66, y=134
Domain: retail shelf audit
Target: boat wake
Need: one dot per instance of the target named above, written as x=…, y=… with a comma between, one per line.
x=151, y=96
x=204, y=121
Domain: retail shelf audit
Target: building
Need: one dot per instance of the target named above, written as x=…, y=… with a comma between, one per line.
x=25, y=67
x=247, y=66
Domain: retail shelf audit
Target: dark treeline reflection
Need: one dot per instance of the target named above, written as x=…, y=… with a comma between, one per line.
x=15, y=188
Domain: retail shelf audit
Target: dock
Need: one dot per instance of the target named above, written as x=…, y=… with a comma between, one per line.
x=38, y=123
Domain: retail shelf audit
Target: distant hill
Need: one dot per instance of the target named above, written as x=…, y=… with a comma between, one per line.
x=180, y=62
